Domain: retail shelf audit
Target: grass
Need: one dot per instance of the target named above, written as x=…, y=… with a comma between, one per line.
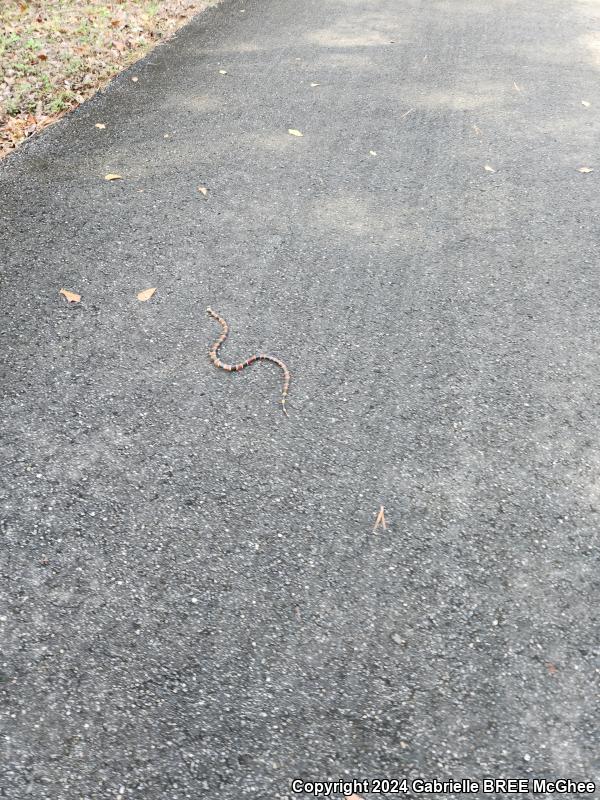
x=54, y=54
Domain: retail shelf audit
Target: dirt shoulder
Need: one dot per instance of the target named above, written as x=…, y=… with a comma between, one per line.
x=55, y=54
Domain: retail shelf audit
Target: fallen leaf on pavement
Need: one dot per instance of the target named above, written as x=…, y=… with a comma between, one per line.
x=112, y=177
x=71, y=296
x=294, y=132
x=585, y=170
x=477, y=130
x=203, y=190
x=487, y=168
x=145, y=295
x=586, y=103
x=100, y=125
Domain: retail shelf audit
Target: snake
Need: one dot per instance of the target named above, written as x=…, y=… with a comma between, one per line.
x=213, y=354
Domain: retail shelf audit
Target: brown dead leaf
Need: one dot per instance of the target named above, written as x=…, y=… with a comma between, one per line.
x=203, y=190
x=113, y=177
x=100, y=126
x=42, y=57
x=294, y=132
x=487, y=168
x=145, y=295
x=586, y=103
x=72, y=297
x=585, y=170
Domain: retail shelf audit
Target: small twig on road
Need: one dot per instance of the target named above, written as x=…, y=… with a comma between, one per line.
x=380, y=520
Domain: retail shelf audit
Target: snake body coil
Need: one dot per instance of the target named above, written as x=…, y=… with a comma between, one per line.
x=213, y=355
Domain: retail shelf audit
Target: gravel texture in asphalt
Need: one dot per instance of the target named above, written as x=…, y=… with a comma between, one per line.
x=194, y=602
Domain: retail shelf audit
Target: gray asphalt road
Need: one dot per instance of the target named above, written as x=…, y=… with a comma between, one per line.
x=194, y=602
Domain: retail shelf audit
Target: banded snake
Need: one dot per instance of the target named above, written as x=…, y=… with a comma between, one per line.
x=214, y=357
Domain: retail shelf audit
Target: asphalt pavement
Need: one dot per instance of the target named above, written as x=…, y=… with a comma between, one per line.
x=194, y=603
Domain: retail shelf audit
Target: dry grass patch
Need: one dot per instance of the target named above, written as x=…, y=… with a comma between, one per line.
x=54, y=54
